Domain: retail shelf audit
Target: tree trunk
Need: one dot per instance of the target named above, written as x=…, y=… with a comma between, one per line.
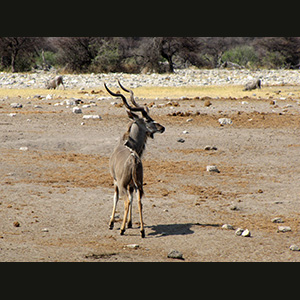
x=171, y=66
x=13, y=61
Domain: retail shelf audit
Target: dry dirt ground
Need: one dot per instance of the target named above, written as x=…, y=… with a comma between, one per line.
x=56, y=196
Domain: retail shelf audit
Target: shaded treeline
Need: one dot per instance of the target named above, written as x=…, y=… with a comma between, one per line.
x=146, y=54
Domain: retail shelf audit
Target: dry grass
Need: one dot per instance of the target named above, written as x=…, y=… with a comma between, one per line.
x=234, y=91
x=27, y=92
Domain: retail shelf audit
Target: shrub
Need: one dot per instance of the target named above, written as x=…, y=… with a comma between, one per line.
x=107, y=59
x=273, y=60
x=241, y=55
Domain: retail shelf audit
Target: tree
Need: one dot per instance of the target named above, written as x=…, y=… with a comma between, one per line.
x=285, y=50
x=76, y=53
x=14, y=48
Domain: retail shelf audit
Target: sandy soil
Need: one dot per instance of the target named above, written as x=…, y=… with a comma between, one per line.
x=56, y=196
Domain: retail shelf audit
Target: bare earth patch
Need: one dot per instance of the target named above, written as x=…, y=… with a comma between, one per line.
x=60, y=192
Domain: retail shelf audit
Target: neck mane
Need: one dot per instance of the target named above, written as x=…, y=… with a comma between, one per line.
x=135, y=138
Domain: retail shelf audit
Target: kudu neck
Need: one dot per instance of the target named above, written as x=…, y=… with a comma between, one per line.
x=137, y=139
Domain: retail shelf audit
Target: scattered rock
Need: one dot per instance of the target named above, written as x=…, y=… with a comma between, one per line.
x=207, y=103
x=77, y=110
x=185, y=132
x=246, y=233
x=208, y=148
x=294, y=248
x=212, y=169
x=225, y=121
x=239, y=231
x=23, y=148
x=133, y=246
x=16, y=224
x=284, y=229
x=45, y=230
x=94, y=117
x=233, y=207
x=16, y=105
x=180, y=140
x=175, y=254
x=228, y=226
x=277, y=220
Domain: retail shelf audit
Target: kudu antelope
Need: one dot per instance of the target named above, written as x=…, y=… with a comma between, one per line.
x=125, y=162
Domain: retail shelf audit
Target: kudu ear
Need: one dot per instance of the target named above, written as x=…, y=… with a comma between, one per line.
x=132, y=116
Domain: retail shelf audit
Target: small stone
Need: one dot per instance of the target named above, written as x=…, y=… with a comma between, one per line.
x=225, y=121
x=294, y=248
x=233, y=207
x=277, y=220
x=16, y=105
x=16, y=224
x=23, y=148
x=185, y=132
x=207, y=103
x=175, y=254
x=94, y=117
x=208, y=148
x=180, y=140
x=133, y=246
x=284, y=229
x=77, y=110
x=228, y=226
x=246, y=233
x=239, y=231
x=45, y=230
x=212, y=169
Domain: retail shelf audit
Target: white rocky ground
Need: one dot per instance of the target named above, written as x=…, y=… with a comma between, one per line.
x=185, y=77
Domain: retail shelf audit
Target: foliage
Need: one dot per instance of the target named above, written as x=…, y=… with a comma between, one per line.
x=146, y=54
x=242, y=55
x=107, y=59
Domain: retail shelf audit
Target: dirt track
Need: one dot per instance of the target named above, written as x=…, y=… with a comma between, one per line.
x=60, y=190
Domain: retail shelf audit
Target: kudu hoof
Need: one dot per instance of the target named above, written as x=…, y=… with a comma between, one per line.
x=142, y=233
x=111, y=225
x=129, y=225
x=122, y=231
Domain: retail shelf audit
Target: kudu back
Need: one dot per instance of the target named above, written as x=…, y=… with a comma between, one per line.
x=125, y=161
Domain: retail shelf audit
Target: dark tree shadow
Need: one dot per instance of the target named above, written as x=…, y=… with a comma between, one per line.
x=176, y=229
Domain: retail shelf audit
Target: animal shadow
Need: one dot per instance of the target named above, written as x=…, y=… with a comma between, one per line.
x=176, y=229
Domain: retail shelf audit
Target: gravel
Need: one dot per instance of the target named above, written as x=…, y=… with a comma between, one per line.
x=183, y=77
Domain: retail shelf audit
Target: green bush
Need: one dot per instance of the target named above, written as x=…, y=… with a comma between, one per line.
x=107, y=59
x=273, y=60
x=241, y=55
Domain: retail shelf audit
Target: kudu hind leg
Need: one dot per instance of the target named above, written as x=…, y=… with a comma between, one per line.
x=139, y=198
x=116, y=199
x=129, y=223
x=126, y=209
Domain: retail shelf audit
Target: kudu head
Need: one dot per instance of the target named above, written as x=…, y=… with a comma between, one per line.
x=145, y=122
